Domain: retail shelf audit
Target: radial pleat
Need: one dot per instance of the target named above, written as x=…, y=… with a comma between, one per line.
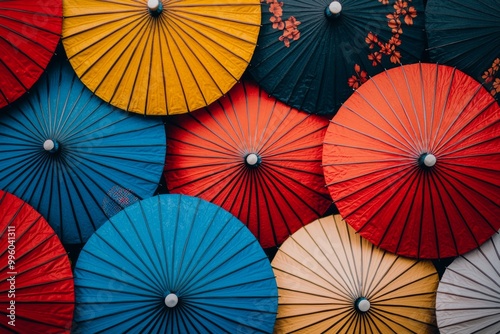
x=181, y=59
x=371, y=161
x=285, y=190
x=36, y=287
x=174, y=244
x=29, y=33
x=105, y=157
x=468, y=294
x=325, y=267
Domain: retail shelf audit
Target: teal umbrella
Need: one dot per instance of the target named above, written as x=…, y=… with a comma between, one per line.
x=312, y=54
x=174, y=264
x=465, y=34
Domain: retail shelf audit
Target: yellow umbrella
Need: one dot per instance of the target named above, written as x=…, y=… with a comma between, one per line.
x=160, y=57
x=330, y=280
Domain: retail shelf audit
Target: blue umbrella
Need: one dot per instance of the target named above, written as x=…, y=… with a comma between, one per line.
x=66, y=152
x=174, y=264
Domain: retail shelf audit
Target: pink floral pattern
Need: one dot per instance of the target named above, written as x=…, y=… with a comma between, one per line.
x=490, y=77
x=289, y=27
x=403, y=12
x=359, y=78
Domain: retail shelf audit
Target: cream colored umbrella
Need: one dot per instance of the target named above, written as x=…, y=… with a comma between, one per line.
x=330, y=280
x=468, y=295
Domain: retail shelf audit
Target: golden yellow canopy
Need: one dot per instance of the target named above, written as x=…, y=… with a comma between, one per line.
x=172, y=60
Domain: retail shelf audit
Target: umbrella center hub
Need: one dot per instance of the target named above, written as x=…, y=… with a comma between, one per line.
x=155, y=7
x=253, y=160
x=171, y=300
x=362, y=305
x=333, y=10
x=427, y=160
x=51, y=146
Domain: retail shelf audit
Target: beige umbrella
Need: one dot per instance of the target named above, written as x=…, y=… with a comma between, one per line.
x=330, y=280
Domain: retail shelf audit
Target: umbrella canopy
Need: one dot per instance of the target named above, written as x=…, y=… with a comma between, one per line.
x=30, y=31
x=174, y=264
x=311, y=55
x=36, y=282
x=412, y=162
x=160, y=57
x=465, y=34
x=66, y=152
x=468, y=295
x=254, y=156
x=331, y=280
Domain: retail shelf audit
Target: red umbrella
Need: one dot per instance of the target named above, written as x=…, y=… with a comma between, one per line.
x=412, y=161
x=255, y=157
x=36, y=282
x=29, y=33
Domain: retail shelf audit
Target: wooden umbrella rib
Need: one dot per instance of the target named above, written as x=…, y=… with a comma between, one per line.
x=272, y=146
x=184, y=49
x=484, y=286
x=350, y=287
x=459, y=113
x=341, y=294
x=141, y=32
x=420, y=133
x=409, y=142
x=445, y=147
x=31, y=41
x=275, y=149
x=443, y=180
x=372, y=138
x=155, y=274
x=385, y=315
x=235, y=131
x=409, y=168
x=415, y=180
x=133, y=18
x=139, y=28
x=13, y=75
x=139, y=283
x=192, y=288
x=169, y=51
x=177, y=279
x=190, y=281
x=178, y=14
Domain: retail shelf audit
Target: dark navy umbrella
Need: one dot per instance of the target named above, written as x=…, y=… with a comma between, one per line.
x=75, y=158
x=465, y=34
x=312, y=54
x=174, y=264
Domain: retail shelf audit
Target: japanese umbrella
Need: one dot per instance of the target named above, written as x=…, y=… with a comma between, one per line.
x=312, y=54
x=468, y=295
x=36, y=282
x=331, y=280
x=174, y=264
x=254, y=156
x=75, y=158
x=29, y=33
x=159, y=57
x=465, y=34
x=412, y=162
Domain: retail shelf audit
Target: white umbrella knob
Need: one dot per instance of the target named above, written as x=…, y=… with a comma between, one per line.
x=171, y=300
x=430, y=160
x=155, y=6
x=362, y=304
x=427, y=160
x=333, y=9
x=50, y=146
x=253, y=159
